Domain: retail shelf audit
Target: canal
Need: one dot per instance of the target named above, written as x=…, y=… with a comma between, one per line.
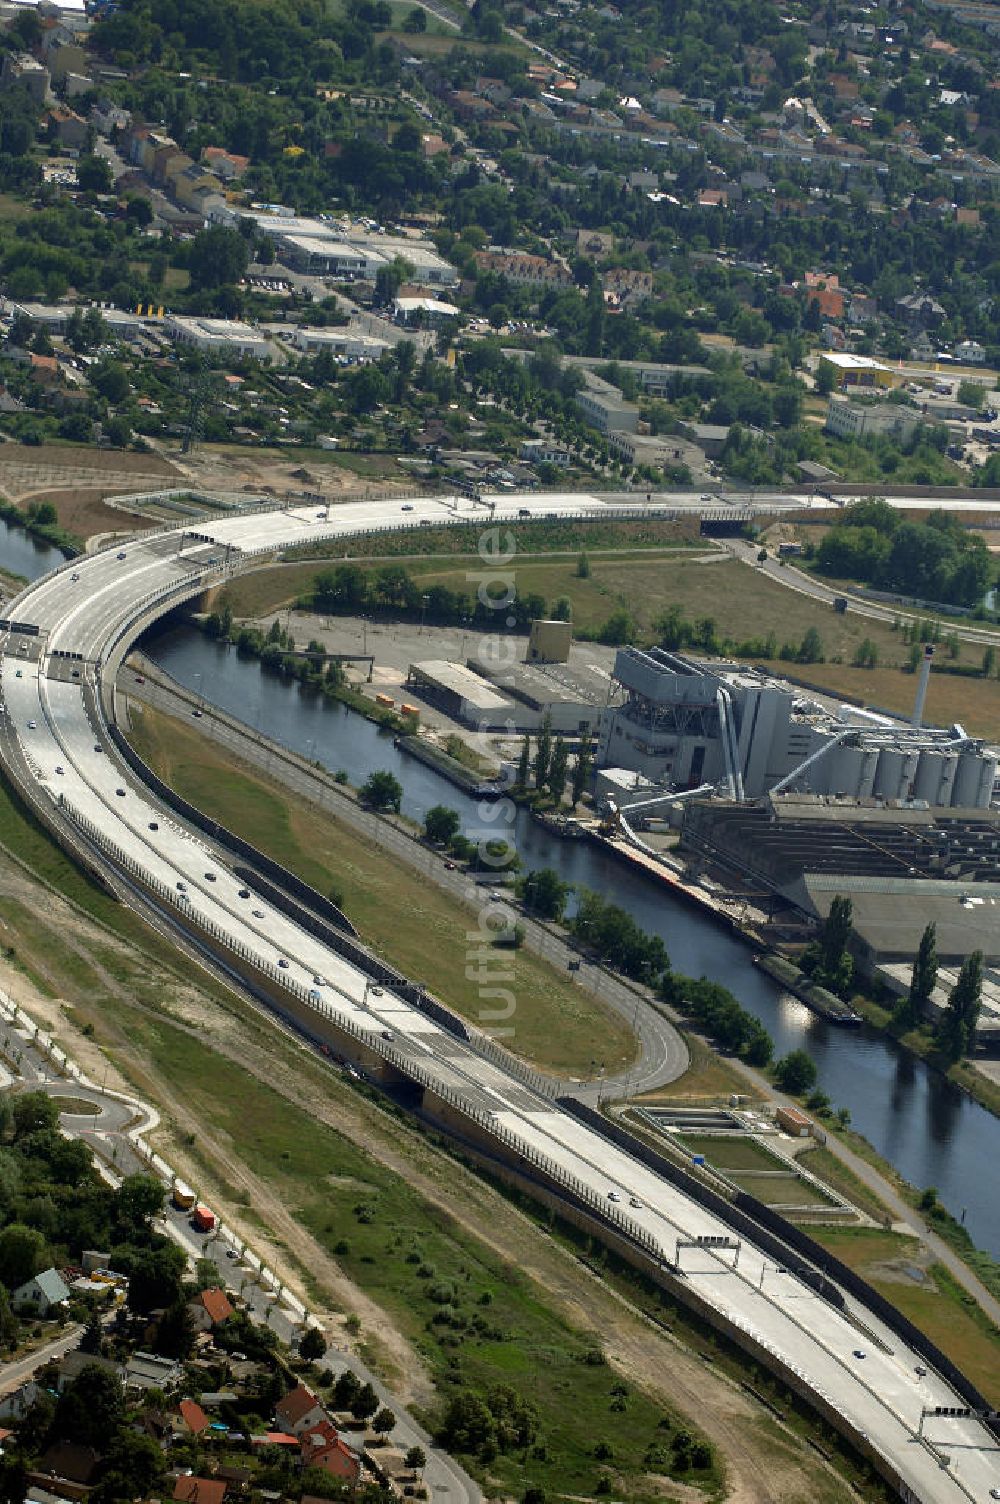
x=931, y=1132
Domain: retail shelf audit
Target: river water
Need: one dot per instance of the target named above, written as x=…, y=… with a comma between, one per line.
x=931, y=1132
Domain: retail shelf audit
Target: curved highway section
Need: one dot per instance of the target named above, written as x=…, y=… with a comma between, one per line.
x=60, y=650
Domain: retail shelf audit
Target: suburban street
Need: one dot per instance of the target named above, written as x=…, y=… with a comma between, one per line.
x=110, y=1132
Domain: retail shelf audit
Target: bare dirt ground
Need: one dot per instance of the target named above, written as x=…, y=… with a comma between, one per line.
x=221, y=467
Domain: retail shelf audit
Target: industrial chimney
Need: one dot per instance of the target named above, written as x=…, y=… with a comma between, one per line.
x=925, y=673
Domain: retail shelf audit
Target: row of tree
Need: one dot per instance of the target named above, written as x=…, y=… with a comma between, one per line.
x=934, y=560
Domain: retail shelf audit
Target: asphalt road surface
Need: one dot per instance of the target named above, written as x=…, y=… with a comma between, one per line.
x=56, y=746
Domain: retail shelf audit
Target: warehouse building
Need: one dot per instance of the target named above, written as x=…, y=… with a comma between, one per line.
x=224, y=337
x=461, y=693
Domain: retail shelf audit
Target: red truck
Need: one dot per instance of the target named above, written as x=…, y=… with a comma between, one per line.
x=202, y=1220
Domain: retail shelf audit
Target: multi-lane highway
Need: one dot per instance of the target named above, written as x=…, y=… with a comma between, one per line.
x=54, y=742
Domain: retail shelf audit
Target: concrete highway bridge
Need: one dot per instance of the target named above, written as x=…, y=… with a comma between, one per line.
x=61, y=645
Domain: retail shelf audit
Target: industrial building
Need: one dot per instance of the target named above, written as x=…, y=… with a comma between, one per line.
x=902, y=868
x=513, y=697
x=328, y=248
x=461, y=693
x=690, y=724
x=219, y=336
x=348, y=343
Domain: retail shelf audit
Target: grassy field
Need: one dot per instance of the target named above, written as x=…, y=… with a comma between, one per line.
x=780, y=1191
x=413, y=924
x=833, y=1172
x=708, y=1078
x=742, y=603
x=731, y=1152
x=936, y=1304
x=478, y=1321
x=475, y=1320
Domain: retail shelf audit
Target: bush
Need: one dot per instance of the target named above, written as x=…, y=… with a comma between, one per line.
x=796, y=1072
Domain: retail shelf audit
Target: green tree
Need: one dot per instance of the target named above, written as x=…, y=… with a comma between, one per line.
x=811, y=648
x=93, y=174
x=524, y=764
x=826, y=378
x=382, y=790
x=415, y=20
x=796, y=1072
x=543, y=753
x=133, y=1467
x=22, y=1254
x=91, y=1412
x=583, y=567
x=441, y=824
x=384, y=1422
x=544, y=893
x=828, y=959
x=138, y=1200
x=954, y=1035
x=558, y=766
x=313, y=1345
x=911, y=1008
x=217, y=257
x=582, y=768
x=415, y=1458
x=365, y=1403
x=33, y=1112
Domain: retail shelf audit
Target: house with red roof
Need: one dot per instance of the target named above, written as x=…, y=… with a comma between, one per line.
x=193, y=1416
x=209, y=1308
x=299, y=1411
x=192, y=1490
x=323, y=1447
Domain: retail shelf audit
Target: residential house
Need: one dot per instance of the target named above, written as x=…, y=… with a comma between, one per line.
x=322, y=1447
x=21, y=70
x=194, y=1490
x=73, y=1364
x=830, y=301
x=43, y=1292
x=862, y=309
x=970, y=352
x=524, y=270
x=594, y=243
x=106, y=116
x=225, y=164
x=918, y=310
x=67, y=127
x=66, y=1462
x=147, y=1371
x=210, y=1308
x=299, y=1411
x=627, y=285
x=543, y=452
x=193, y=1417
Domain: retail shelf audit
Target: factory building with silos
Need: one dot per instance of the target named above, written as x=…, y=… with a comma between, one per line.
x=688, y=724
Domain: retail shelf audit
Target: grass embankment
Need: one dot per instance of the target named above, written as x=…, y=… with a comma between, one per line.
x=708, y=1080
x=475, y=1320
x=414, y=924
x=742, y=603
x=926, y=1293
x=478, y=1321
